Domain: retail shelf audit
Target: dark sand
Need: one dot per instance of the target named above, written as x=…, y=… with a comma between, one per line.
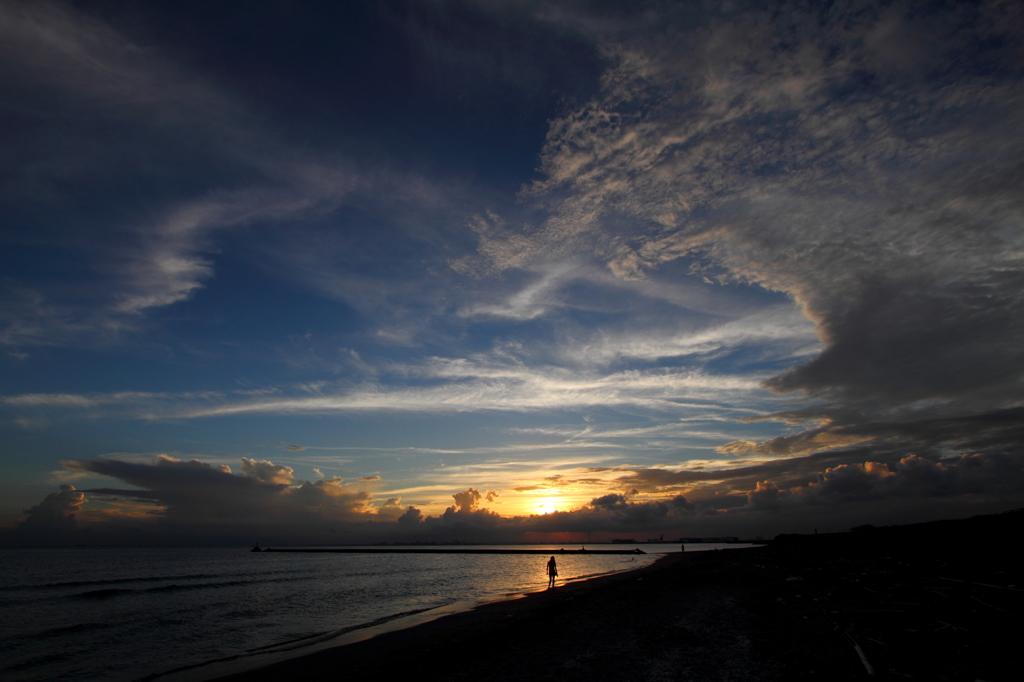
x=925, y=602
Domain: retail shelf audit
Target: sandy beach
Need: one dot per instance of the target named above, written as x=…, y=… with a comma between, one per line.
x=932, y=601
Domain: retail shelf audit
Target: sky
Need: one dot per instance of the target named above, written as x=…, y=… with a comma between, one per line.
x=444, y=270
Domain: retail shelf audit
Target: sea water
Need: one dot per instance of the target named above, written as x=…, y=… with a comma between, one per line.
x=127, y=613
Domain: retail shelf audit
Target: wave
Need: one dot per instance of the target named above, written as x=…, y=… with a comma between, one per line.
x=67, y=630
x=148, y=579
x=293, y=644
x=173, y=587
x=101, y=594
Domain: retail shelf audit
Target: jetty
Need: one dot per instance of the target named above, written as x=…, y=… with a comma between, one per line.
x=440, y=550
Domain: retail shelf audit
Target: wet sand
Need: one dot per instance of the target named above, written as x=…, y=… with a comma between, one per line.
x=893, y=601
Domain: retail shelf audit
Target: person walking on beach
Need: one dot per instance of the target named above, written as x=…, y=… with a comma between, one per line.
x=552, y=572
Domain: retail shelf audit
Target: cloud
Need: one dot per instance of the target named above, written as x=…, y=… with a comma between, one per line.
x=738, y=499
x=295, y=448
x=190, y=162
x=765, y=495
x=457, y=384
x=265, y=471
x=849, y=159
x=471, y=386
x=56, y=512
x=809, y=213
x=391, y=509
x=207, y=500
x=609, y=501
x=532, y=301
x=203, y=500
x=411, y=517
x=369, y=478
x=467, y=500
x=916, y=476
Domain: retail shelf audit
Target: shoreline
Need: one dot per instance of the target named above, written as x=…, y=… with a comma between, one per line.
x=476, y=550
x=432, y=630
x=283, y=653
x=484, y=623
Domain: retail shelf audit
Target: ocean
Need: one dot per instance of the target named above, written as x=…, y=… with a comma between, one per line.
x=125, y=614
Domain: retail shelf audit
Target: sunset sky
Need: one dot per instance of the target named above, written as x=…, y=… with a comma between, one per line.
x=501, y=271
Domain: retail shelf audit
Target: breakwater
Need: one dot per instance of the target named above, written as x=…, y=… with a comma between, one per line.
x=447, y=550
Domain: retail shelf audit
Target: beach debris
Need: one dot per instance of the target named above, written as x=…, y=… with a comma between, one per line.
x=968, y=582
x=948, y=625
x=860, y=653
x=994, y=607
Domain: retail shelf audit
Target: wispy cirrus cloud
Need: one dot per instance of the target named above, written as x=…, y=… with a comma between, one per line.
x=460, y=385
x=805, y=151
x=191, y=162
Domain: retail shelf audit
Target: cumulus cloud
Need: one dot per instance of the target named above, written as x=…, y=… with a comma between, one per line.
x=770, y=494
x=411, y=517
x=610, y=501
x=266, y=471
x=764, y=496
x=467, y=500
x=915, y=476
x=391, y=509
x=192, y=495
x=56, y=512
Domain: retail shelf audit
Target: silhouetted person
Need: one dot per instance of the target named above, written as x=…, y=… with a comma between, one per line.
x=552, y=572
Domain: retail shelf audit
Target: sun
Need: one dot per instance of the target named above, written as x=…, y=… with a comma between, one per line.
x=546, y=505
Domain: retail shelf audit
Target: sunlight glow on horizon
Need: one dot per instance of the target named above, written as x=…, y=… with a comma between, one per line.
x=547, y=505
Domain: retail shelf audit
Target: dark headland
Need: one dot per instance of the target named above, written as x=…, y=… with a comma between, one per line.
x=933, y=601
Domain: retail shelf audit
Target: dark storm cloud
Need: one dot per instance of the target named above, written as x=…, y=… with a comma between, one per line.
x=984, y=443
x=912, y=476
x=202, y=495
x=984, y=432
x=210, y=501
x=411, y=517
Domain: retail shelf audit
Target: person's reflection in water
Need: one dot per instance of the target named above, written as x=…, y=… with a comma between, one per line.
x=552, y=572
